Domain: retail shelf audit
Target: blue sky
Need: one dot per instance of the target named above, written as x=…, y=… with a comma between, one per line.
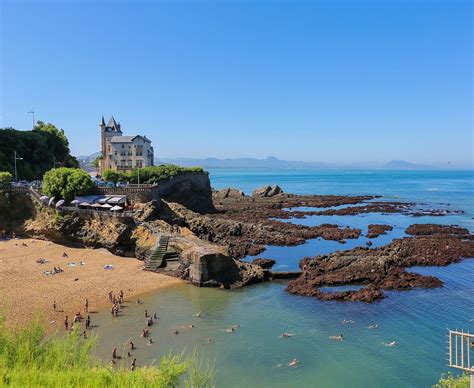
x=333, y=81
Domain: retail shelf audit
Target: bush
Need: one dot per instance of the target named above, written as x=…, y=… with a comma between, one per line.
x=5, y=179
x=452, y=381
x=29, y=358
x=149, y=175
x=112, y=176
x=66, y=183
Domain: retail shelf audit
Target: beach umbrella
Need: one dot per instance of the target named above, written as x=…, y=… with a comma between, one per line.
x=51, y=200
x=60, y=203
x=84, y=204
x=96, y=205
x=107, y=206
x=44, y=198
x=75, y=202
x=116, y=208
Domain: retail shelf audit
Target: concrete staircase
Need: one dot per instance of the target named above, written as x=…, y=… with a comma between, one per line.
x=155, y=259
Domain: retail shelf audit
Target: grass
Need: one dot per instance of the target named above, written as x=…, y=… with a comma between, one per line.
x=29, y=358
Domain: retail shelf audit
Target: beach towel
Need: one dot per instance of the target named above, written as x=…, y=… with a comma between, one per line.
x=72, y=264
x=109, y=266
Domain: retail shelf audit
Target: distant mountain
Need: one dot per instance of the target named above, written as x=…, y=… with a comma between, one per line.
x=272, y=162
x=269, y=163
x=403, y=165
x=86, y=162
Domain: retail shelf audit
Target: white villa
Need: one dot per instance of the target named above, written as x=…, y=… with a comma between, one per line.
x=123, y=153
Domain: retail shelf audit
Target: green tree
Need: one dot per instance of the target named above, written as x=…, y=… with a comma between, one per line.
x=40, y=150
x=5, y=179
x=67, y=182
x=112, y=176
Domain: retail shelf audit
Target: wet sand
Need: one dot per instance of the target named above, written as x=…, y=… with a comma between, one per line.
x=25, y=291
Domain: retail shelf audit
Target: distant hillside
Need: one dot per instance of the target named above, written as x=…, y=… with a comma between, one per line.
x=272, y=162
x=268, y=163
x=402, y=165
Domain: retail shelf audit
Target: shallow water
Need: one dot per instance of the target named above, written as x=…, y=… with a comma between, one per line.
x=255, y=355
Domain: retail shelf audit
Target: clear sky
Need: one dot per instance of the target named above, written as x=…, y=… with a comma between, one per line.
x=331, y=81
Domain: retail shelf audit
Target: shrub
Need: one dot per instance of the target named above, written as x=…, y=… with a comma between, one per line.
x=112, y=176
x=67, y=182
x=148, y=175
x=5, y=179
x=452, y=381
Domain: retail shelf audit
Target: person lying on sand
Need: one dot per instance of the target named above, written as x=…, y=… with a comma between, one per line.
x=65, y=254
x=150, y=342
x=391, y=344
x=337, y=337
x=374, y=326
x=293, y=363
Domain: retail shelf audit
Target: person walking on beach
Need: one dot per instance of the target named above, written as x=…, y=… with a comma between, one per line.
x=66, y=323
x=134, y=364
x=114, y=354
x=54, y=305
x=86, y=306
x=132, y=345
x=88, y=322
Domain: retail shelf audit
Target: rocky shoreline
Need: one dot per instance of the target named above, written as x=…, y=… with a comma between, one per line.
x=384, y=268
x=211, y=244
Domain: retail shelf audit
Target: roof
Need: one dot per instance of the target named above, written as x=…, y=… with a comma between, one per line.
x=114, y=125
x=122, y=139
x=127, y=139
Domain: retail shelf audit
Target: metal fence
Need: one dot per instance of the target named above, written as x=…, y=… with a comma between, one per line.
x=460, y=350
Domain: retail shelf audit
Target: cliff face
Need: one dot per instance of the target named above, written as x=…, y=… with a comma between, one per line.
x=191, y=190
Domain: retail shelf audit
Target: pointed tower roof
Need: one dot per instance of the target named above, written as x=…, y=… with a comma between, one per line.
x=112, y=123
x=102, y=122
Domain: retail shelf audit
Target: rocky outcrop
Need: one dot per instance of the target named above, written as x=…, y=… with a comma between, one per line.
x=433, y=229
x=267, y=191
x=264, y=263
x=114, y=234
x=383, y=268
x=375, y=230
x=208, y=265
x=228, y=193
x=192, y=190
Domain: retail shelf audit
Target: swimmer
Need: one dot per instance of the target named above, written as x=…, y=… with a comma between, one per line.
x=231, y=330
x=346, y=321
x=293, y=363
x=209, y=340
x=286, y=335
x=374, y=326
x=391, y=344
x=197, y=315
x=175, y=332
x=337, y=337
x=236, y=326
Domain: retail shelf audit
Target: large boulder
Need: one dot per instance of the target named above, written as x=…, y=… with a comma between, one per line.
x=267, y=191
x=228, y=193
x=264, y=263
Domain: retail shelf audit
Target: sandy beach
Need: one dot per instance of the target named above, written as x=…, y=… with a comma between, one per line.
x=25, y=290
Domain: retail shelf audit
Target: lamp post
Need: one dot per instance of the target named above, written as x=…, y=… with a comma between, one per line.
x=16, y=158
x=32, y=112
x=138, y=171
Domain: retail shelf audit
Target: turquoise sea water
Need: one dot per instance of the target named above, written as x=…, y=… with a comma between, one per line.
x=255, y=355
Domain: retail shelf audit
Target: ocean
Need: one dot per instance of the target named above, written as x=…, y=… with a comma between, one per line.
x=256, y=356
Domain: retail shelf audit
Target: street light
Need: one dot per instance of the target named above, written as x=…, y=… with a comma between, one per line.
x=32, y=112
x=16, y=158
